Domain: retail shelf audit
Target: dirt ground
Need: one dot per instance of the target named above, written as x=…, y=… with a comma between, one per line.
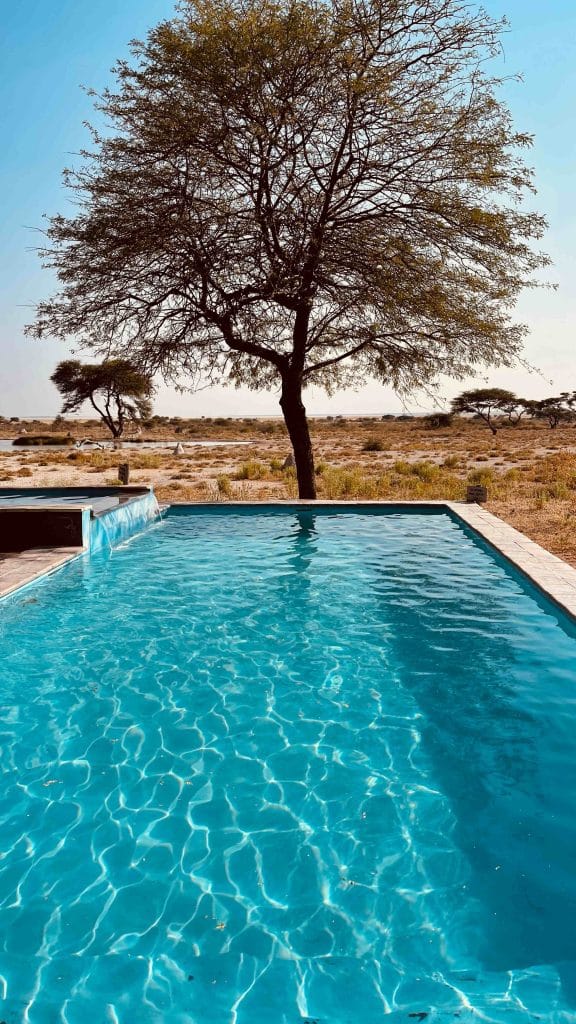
x=529, y=470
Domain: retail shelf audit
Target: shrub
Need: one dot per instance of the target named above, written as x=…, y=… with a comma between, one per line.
x=37, y=440
x=224, y=485
x=438, y=419
x=373, y=445
x=251, y=471
x=425, y=471
x=481, y=476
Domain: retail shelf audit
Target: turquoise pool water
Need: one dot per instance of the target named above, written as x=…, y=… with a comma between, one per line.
x=276, y=767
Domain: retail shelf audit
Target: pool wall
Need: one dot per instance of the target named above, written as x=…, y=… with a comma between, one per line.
x=89, y=518
x=111, y=528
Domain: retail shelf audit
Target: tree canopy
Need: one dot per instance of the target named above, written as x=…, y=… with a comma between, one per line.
x=116, y=389
x=556, y=409
x=296, y=192
x=488, y=403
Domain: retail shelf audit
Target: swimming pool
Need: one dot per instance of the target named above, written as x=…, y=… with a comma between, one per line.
x=288, y=765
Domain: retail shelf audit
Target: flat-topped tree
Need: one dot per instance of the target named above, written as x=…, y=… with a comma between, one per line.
x=490, y=403
x=558, y=409
x=116, y=389
x=298, y=193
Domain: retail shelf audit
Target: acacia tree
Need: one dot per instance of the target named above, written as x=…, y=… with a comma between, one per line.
x=488, y=403
x=559, y=409
x=296, y=192
x=116, y=389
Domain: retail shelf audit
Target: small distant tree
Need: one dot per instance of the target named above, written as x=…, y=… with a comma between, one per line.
x=559, y=409
x=116, y=389
x=515, y=410
x=487, y=404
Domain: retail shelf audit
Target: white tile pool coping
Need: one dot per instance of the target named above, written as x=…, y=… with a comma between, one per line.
x=551, y=574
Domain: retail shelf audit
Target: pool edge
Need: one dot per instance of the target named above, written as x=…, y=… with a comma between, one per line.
x=549, y=573
x=35, y=564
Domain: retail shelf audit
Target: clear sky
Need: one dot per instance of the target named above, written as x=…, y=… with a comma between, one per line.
x=50, y=48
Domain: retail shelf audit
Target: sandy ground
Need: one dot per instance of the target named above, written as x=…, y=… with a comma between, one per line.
x=529, y=470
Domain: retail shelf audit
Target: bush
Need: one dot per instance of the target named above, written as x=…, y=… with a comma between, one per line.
x=251, y=471
x=426, y=471
x=373, y=445
x=37, y=440
x=481, y=476
x=438, y=419
x=224, y=485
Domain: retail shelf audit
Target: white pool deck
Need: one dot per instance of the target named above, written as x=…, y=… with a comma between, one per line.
x=551, y=574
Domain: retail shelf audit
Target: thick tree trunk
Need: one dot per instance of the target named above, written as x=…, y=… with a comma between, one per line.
x=297, y=426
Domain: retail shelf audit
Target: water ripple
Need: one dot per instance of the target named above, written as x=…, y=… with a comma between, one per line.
x=309, y=768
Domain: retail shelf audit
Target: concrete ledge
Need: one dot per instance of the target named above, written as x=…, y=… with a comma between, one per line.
x=551, y=574
x=19, y=569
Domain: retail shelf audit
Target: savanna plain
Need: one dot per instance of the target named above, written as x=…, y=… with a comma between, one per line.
x=528, y=469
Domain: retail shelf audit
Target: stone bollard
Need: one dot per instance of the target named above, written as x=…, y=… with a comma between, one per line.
x=124, y=472
x=476, y=494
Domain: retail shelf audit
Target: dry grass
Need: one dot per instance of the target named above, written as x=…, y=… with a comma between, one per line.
x=530, y=471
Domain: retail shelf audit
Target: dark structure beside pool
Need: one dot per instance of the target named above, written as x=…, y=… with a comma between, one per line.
x=83, y=517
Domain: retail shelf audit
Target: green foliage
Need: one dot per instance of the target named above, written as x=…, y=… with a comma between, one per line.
x=487, y=403
x=251, y=470
x=560, y=409
x=481, y=476
x=301, y=193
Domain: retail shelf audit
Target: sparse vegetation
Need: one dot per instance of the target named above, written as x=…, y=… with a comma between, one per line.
x=529, y=470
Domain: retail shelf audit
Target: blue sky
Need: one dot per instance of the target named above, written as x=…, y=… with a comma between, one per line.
x=52, y=47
